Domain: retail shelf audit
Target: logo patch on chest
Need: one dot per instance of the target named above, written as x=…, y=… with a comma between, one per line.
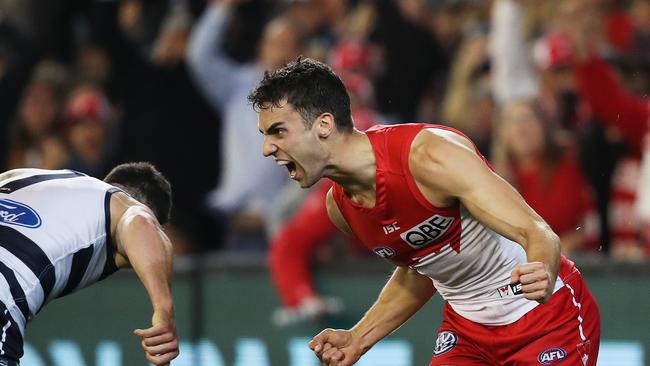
x=384, y=252
x=16, y=213
x=427, y=232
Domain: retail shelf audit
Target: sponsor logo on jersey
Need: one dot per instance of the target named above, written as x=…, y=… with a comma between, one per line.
x=445, y=342
x=16, y=213
x=511, y=289
x=384, y=252
x=551, y=356
x=427, y=231
x=390, y=228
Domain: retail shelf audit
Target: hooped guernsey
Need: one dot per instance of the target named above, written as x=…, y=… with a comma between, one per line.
x=469, y=264
x=54, y=237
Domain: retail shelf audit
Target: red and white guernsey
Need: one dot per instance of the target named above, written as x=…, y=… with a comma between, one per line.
x=469, y=264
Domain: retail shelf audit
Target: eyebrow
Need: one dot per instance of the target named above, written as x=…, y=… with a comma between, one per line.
x=272, y=127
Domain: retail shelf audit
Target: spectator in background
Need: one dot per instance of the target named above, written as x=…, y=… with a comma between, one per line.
x=17, y=56
x=468, y=104
x=36, y=139
x=530, y=149
x=622, y=112
x=546, y=174
x=162, y=118
x=248, y=181
x=307, y=231
x=89, y=123
x=412, y=59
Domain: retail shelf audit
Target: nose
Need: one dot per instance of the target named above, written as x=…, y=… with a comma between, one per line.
x=268, y=147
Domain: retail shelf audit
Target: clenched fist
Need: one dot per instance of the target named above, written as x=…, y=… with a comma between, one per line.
x=336, y=347
x=535, y=280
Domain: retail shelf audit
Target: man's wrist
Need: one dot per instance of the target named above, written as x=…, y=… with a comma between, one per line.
x=360, y=339
x=165, y=306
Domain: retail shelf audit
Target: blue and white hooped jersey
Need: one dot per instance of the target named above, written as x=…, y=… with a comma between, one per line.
x=54, y=237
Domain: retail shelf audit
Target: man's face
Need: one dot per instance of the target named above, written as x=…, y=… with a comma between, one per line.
x=291, y=144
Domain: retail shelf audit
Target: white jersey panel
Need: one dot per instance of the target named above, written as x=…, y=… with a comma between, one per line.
x=54, y=223
x=475, y=281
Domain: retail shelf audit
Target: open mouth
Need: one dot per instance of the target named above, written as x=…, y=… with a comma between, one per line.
x=291, y=167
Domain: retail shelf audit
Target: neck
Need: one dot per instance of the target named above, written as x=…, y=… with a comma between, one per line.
x=352, y=164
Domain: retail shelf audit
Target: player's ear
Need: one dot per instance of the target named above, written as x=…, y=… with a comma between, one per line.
x=324, y=125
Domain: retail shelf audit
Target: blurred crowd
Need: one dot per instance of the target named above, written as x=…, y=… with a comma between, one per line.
x=555, y=93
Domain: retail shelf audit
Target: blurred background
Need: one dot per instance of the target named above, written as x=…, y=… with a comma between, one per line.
x=554, y=93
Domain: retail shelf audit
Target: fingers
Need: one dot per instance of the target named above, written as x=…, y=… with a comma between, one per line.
x=166, y=347
x=156, y=330
x=164, y=338
x=317, y=343
x=160, y=344
x=332, y=356
x=161, y=360
x=535, y=280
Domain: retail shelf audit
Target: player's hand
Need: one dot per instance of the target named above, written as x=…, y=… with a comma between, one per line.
x=160, y=342
x=535, y=279
x=336, y=347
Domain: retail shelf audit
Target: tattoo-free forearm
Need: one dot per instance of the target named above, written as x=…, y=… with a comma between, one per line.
x=543, y=245
x=403, y=295
x=150, y=253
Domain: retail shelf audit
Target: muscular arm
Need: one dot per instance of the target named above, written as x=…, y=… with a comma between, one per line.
x=142, y=245
x=446, y=166
x=404, y=294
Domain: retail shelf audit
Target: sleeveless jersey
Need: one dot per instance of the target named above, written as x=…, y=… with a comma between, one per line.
x=54, y=237
x=469, y=264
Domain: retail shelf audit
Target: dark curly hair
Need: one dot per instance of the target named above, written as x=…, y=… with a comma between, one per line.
x=311, y=87
x=146, y=184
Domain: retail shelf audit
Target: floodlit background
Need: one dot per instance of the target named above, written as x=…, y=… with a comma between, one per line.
x=554, y=93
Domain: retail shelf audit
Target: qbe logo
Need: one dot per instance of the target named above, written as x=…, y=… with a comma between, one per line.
x=427, y=231
x=384, y=252
x=551, y=356
x=445, y=342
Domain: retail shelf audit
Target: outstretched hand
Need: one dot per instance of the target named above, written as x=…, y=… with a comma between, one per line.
x=160, y=342
x=535, y=281
x=336, y=347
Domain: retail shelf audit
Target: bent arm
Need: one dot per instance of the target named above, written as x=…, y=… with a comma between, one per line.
x=212, y=70
x=513, y=75
x=142, y=245
x=447, y=162
x=404, y=294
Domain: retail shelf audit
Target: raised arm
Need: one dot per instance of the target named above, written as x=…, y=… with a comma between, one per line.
x=404, y=294
x=446, y=166
x=213, y=71
x=513, y=75
x=142, y=245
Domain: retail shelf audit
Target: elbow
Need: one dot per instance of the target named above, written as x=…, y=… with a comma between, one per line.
x=540, y=232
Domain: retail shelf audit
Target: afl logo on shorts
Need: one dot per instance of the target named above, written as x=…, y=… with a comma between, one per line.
x=551, y=356
x=16, y=213
x=445, y=342
x=384, y=252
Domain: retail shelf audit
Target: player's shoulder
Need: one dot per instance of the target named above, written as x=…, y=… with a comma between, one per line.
x=437, y=143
